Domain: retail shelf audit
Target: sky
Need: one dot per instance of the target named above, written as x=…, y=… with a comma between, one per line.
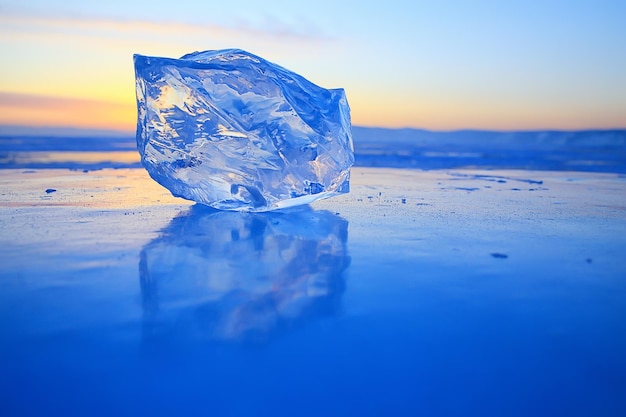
x=440, y=65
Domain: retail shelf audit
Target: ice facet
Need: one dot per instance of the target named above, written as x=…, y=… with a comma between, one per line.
x=233, y=131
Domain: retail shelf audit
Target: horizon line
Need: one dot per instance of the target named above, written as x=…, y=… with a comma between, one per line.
x=17, y=129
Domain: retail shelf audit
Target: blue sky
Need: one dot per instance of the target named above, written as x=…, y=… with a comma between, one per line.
x=439, y=65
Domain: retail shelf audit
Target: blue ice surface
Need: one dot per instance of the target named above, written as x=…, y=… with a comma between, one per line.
x=303, y=313
x=312, y=312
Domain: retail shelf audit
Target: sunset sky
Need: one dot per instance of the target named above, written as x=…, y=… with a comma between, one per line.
x=439, y=65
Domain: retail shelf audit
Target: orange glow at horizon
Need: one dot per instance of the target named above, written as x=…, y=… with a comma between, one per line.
x=52, y=111
x=49, y=111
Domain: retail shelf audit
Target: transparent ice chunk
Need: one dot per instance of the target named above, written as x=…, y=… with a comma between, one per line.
x=233, y=131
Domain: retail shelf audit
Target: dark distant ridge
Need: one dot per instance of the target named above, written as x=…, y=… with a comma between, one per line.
x=76, y=139
x=24, y=138
x=67, y=132
x=473, y=139
x=582, y=150
x=69, y=143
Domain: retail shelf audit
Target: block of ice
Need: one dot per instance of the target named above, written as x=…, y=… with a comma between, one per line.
x=233, y=131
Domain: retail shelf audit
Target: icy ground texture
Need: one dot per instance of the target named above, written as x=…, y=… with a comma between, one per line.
x=233, y=131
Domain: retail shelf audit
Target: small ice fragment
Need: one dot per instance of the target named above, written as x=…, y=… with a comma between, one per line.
x=233, y=131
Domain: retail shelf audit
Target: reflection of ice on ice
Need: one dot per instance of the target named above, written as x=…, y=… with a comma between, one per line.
x=242, y=276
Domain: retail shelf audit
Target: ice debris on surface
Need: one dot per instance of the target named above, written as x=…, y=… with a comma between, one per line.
x=233, y=131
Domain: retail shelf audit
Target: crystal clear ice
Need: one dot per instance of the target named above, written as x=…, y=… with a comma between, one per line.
x=233, y=131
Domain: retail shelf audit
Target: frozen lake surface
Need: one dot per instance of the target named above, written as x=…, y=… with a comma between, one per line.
x=446, y=292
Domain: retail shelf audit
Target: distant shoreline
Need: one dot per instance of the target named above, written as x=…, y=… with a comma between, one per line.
x=404, y=132
x=602, y=150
